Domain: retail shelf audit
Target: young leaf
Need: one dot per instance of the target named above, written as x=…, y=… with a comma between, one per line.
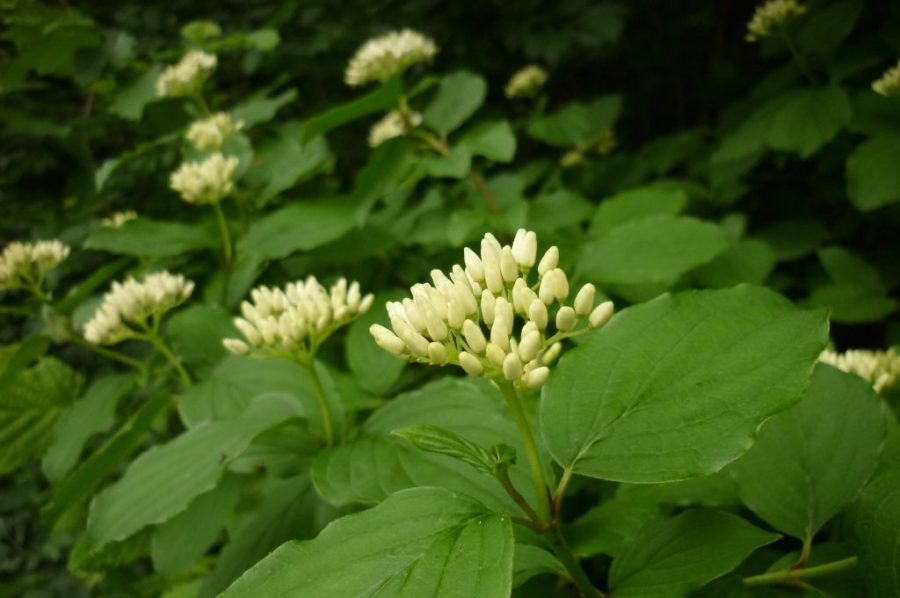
x=672, y=557
x=434, y=439
x=877, y=530
x=460, y=94
x=812, y=460
x=418, y=542
x=677, y=387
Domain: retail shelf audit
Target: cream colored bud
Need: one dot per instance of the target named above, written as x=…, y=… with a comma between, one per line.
x=504, y=309
x=437, y=353
x=552, y=354
x=474, y=336
x=456, y=314
x=366, y=303
x=471, y=364
x=492, y=276
x=417, y=343
x=549, y=261
x=524, y=248
x=529, y=327
x=584, y=300
x=473, y=265
x=518, y=297
x=495, y=355
x=537, y=313
x=387, y=340
x=414, y=314
x=500, y=333
x=509, y=270
x=249, y=331
x=530, y=345
x=436, y=327
x=512, y=367
x=235, y=346
x=537, y=377
x=560, y=284
x=565, y=319
x=601, y=314
x=546, y=291
x=488, y=303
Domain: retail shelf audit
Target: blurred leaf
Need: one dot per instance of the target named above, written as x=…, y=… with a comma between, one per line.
x=576, y=123
x=262, y=108
x=285, y=160
x=873, y=179
x=300, y=226
x=823, y=30
x=845, y=267
x=877, y=530
x=852, y=304
x=196, y=335
x=48, y=38
x=264, y=40
x=746, y=260
x=382, y=99
x=494, y=140
x=376, y=369
x=636, y=204
x=794, y=238
x=459, y=95
x=455, y=165
x=152, y=238
x=557, y=210
x=806, y=119
x=607, y=527
x=130, y=100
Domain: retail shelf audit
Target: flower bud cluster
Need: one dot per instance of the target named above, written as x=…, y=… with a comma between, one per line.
x=187, y=77
x=205, y=182
x=526, y=82
x=488, y=318
x=118, y=219
x=880, y=368
x=24, y=265
x=394, y=124
x=772, y=16
x=210, y=133
x=293, y=322
x=128, y=306
x=381, y=58
x=889, y=82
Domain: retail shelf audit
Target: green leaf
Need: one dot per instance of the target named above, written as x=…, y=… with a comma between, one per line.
x=30, y=407
x=131, y=99
x=845, y=267
x=655, y=249
x=558, y=209
x=285, y=160
x=434, y=439
x=494, y=140
x=152, y=238
x=264, y=40
x=381, y=99
x=609, y=526
x=177, y=544
x=419, y=542
x=91, y=414
x=375, y=369
x=877, y=531
x=812, y=460
x=196, y=334
x=792, y=239
x=746, y=260
x=163, y=481
x=262, y=108
x=81, y=291
x=15, y=358
x=455, y=165
x=852, y=304
x=300, y=226
x=823, y=30
x=677, y=387
x=806, y=119
x=675, y=556
x=459, y=95
x=530, y=561
x=577, y=123
x=873, y=179
x=637, y=204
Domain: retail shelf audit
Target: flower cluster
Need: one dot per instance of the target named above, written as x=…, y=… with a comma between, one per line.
x=133, y=309
x=187, y=77
x=207, y=181
x=118, y=219
x=889, y=82
x=772, y=16
x=526, y=82
x=293, y=322
x=24, y=265
x=394, y=124
x=470, y=318
x=209, y=134
x=381, y=58
x=880, y=368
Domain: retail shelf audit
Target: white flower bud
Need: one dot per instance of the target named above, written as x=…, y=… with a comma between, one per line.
x=248, y=330
x=546, y=292
x=387, y=340
x=437, y=353
x=584, y=300
x=500, y=333
x=560, y=284
x=488, y=303
x=549, y=261
x=529, y=327
x=530, y=345
x=565, y=319
x=417, y=343
x=503, y=309
x=473, y=265
x=492, y=277
x=436, y=327
x=509, y=270
x=524, y=248
x=552, y=354
x=456, y=314
x=537, y=313
x=495, y=355
x=471, y=364
x=366, y=303
x=537, y=377
x=601, y=314
x=414, y=314
x=474, y=336
x=235, y=346
x=512, y=367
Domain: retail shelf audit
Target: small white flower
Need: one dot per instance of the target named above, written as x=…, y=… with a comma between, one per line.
x=880, y=368
x=381, y=58
x=205, y=182
x=393, y=124
x=526, y=82
x=209, y=134
x=118, y=219
x=889, y=82
x=24, y=265
x=187, y=77
x=772, y=16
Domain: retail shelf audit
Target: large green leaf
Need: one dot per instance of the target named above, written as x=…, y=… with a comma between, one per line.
x=608, y=527
x=262, y=108
x=494, y=140
x=130, y=99
x=677, y=387
x=674, y=556
x=93, y=413
x=577, y=122
x=286, y=160
x=806, y=119
x=746, y=260
x=29, y=408
x=812, y=460
x=873, y=179
x=299, y=226
x=196, y=335
x=152, y=238
x=164, y=480
x=459, y=95
x=381, y=99
x=376, y=369
x=637, y=204
x=418, y=542
x=652, y=250
x=877, y=530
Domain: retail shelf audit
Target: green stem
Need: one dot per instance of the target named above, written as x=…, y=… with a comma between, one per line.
x=160, y=346
x=560, y=491
x=535, y=519
x=579, y=578
x=226, y=235
x=534, y=458
x=795, y=576
x=327, y=420
x=201, y=104
x=109, y=353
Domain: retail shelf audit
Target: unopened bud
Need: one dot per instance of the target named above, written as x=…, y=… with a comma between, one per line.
x=500, y=333
x=492, y=277
x=530, y=345
x=473, y=265
x=552, y=354
x=560, y=284
x=601, y=314
x=236, y=346
x=387, y=340
x=495, y=355
x=488, y=302
x=584, y=300
x=537, y=377
x=509, y=269
x=437, y=353
x=549, y=261
x=537, y=313
x=474, y=336
x=471, y=364
x=512, y=367
x=524, y=248
x=565, y=319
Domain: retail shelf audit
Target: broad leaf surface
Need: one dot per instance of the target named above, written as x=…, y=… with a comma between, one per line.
x=459, y=95
x=877, y=530
x=873, y=179
x=300, y=226
x=152, y=238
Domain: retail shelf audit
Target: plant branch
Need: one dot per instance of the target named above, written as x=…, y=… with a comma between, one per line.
x=792, y=576
x=160, y=346
x=579, y=577
x=226, y=235
x=327, y=421
x=536, y=523
x=108, y=353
